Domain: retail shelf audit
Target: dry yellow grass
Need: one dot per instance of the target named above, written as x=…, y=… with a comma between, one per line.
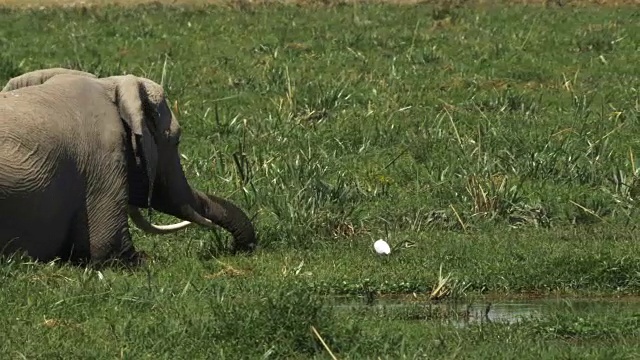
x=72, y=3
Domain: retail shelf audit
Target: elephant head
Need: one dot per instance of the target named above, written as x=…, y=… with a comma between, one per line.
x=156, y=178
x=151, y=134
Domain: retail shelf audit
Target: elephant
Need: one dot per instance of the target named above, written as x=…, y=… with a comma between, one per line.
x=80, y=154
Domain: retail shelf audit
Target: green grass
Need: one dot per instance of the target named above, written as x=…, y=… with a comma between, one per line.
x=497, y=144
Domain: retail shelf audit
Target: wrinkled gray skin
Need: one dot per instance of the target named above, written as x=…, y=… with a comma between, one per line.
x=78, y=154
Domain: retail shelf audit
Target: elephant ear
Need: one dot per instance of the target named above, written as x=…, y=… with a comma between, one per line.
x=134, y=107
x=40, y=77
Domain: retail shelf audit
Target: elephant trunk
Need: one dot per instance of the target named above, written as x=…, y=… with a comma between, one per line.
x=189, y=214
x=173, y=195
x=230, y=217
x=207, y=210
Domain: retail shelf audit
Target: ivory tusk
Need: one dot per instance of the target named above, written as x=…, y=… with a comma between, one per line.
x=139, y=220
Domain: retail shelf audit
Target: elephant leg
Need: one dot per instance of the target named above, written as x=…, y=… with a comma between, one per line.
x=109, y=234
x=77, y=249
x=96, y=236
x=101, y=231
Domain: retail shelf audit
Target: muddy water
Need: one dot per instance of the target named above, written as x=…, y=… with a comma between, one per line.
x=498, y=311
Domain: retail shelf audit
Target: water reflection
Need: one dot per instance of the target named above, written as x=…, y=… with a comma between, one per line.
x=507, y=312
x=502, y=311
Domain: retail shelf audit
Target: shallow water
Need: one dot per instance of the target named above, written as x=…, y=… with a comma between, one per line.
x=502, y=311
x=508, y=312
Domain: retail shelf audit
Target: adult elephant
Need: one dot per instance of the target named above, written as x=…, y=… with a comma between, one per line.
x=78, y=154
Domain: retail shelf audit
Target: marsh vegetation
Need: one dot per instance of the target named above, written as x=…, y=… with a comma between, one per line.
x=496, y=150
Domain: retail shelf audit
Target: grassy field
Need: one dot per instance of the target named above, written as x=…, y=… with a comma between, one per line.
x=494, y=148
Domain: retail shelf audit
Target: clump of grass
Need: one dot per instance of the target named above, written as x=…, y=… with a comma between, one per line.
x=597, y=39
x=444, y=288
x=8, y=68
x=574, y=324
